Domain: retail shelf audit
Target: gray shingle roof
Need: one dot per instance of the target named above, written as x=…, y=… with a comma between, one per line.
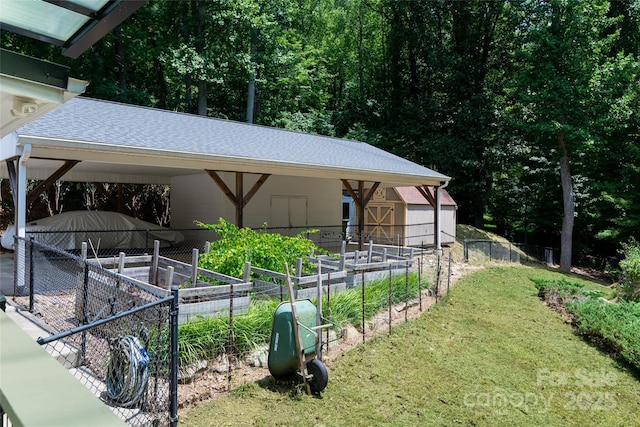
x=113, y=125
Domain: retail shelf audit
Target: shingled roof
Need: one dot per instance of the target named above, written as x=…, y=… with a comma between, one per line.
x=411, y=196
x=100, y=133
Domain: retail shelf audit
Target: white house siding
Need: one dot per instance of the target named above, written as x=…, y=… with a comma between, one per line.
x=420, y=225
x=197, y=197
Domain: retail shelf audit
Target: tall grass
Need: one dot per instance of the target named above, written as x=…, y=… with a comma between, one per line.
x=205, y=338
x=346, y=307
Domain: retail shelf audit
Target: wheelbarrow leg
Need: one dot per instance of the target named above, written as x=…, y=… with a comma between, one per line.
x=296, y=333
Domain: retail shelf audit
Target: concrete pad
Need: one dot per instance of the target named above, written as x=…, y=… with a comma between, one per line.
x=6, y=273
x=67, y=355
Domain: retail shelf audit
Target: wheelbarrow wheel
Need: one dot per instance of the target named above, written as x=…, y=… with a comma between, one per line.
x=320, y=375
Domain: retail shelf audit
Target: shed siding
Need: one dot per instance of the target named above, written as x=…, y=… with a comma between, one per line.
x=448, y=219
x=419, y=228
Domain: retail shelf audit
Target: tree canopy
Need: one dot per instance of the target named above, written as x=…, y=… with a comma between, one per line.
x=531, y=106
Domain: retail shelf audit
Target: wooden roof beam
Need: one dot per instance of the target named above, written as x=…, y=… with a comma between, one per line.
x=47, y=183
x=424, y=190
x=239, y=199
x=360, y=199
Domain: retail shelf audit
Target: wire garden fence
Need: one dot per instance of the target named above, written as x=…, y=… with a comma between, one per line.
x=178, y=243
x=363, y=292
x=223, y=322
x=115, y=337
x=480, y=250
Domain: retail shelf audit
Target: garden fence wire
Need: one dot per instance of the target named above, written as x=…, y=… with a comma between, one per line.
x=236, y=327
x=116, y=338
x=481, y=250
x=102, y=243
x=370, y=298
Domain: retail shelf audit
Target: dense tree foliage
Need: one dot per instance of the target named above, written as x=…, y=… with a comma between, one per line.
x=531, y=105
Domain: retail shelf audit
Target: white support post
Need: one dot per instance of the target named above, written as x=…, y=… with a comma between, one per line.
x=438, y=230
x=21, y=211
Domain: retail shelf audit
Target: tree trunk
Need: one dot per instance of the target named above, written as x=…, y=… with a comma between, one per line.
x=566, y=241
x=202, y=84
x=121, y=73
x=251, y=88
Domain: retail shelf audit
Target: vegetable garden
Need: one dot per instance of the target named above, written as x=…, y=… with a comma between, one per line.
x=226, y=336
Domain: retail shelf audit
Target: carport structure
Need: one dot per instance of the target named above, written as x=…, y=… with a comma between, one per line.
x=88, y=140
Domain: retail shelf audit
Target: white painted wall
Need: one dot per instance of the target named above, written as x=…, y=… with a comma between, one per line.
x=197, y=197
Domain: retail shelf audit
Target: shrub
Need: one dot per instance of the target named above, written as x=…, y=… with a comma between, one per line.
x=615, y=325
x=629, y=286
x=560, y=291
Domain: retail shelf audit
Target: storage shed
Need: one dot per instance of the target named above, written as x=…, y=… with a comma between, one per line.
x=406, y=216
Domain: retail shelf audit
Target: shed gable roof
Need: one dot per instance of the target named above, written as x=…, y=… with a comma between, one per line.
x=411, y=196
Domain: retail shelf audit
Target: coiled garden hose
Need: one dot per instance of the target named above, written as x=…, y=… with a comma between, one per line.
x=127, y=371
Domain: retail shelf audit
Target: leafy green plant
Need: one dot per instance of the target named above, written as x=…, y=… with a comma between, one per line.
x=268, y=251
x=615, y=325
x=629, y=286
x=563, y=289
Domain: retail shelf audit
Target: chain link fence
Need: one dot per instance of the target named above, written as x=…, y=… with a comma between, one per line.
x=482, y=250
x=114, y=336
x=223, y=324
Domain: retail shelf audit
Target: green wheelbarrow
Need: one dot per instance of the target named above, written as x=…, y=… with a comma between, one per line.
x=294, y=342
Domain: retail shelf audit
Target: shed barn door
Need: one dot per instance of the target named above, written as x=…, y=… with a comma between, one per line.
x=379, y=222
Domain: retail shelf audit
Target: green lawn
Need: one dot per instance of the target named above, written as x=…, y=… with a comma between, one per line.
x=489, y=355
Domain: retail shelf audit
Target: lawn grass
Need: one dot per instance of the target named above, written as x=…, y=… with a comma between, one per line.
x=490, y=354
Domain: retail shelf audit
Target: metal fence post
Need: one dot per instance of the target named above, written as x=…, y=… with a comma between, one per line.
x=406, y=291
x=31, y=289
x=85, y=306
x=466, y=251
x=363, y=313
x=230, y=343
x=319, y=309
x=420, y=276
x=173, y=393
x=449, y=274
x=390, y=295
